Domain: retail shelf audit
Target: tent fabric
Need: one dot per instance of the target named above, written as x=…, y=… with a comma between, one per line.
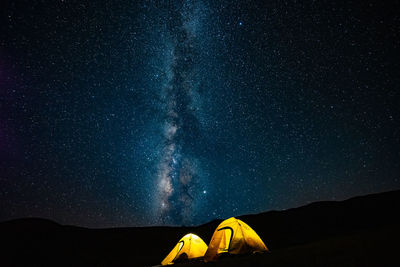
x=233, y=236
x=189, y=247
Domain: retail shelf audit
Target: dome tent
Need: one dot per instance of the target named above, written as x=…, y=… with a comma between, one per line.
x=233, y=236
x=189, y=247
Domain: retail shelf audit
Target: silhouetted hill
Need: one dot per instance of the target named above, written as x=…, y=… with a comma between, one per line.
x=361, y=231
x=320, y=220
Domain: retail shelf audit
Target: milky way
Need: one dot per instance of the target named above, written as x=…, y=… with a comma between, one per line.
x=177, y=171
x=136, y=113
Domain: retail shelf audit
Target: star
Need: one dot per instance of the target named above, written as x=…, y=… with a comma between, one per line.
x=164, y=110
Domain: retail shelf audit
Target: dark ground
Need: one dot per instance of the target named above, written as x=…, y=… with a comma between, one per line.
x=362, y=231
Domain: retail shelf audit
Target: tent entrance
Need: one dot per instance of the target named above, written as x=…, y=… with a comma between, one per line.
x=226, y=238
x=181, y=243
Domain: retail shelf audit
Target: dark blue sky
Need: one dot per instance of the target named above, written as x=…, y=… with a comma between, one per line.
x=178, y=112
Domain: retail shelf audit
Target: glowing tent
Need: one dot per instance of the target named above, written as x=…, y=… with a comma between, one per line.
x=233, y=236
x=190, y=246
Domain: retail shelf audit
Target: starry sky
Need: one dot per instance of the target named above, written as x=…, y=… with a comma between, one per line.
x=134, y=113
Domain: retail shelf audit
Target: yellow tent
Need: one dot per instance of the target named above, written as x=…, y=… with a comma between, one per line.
x=233, y=236
x=190, y=246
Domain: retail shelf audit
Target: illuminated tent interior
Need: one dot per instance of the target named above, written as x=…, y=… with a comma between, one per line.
x=233, y=236
x=189, y=247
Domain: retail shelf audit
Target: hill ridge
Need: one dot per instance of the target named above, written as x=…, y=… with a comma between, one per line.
x=44, y=242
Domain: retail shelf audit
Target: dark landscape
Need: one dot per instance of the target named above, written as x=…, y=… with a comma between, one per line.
x=127, y=125
x=361, y=231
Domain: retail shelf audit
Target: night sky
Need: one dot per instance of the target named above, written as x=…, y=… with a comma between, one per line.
x=138, y=113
